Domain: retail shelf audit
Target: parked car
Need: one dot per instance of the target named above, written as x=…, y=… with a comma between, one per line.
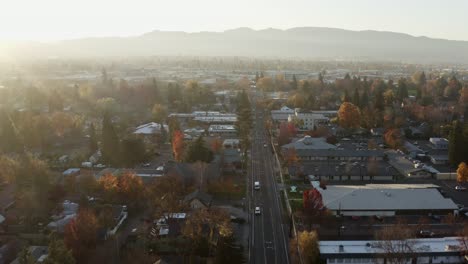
x=425, y=233
x=436, y=217
x=355, y=217
x=460, y=188
x=378, y=218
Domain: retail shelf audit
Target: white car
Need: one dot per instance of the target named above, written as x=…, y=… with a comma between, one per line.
x=257, y=185
x=257, y=210
x=265, y=145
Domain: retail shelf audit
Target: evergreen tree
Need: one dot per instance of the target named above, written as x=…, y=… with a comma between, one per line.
x=228, y=252
x=133, y=151
x=261, y=75
x=364, y=99
x=379, y=100
x=402, y=91
x=456, y=144
x=93, y=144
x=110, y=142
x=294, y=82
x=356, y=101
x=346, y=98
x=256, y=77
x=9, y=140
x=347, y=77
x=155, y=91
x=104, y=77
x=422, y=79
x=197, y=151
x=320, y=78
x=55, y=102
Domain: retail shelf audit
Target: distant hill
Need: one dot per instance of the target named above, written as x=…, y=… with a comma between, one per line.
x=305, y=42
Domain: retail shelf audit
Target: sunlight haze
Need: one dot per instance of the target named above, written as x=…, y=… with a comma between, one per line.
x=50, y=20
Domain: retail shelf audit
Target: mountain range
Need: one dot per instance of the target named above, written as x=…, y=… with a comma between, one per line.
x=299, y=43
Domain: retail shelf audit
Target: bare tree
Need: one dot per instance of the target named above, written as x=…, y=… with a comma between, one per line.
x=395, y=242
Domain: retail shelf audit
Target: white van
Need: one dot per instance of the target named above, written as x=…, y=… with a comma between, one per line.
x=257, y=185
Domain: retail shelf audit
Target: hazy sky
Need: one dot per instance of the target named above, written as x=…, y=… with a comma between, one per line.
x=64, y=19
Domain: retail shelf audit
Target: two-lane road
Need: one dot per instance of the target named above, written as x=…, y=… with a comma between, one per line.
x=269, y=241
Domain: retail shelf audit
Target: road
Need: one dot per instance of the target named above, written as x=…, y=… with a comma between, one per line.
x=268, y=234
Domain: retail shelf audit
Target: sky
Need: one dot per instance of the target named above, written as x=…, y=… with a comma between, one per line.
x=50, y=20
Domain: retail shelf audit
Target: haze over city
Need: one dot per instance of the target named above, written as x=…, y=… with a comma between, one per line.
x=231, y=132
x=50, y=20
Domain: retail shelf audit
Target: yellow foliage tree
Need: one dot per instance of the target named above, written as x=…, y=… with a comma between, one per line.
x=462, y=172
x=349, y=115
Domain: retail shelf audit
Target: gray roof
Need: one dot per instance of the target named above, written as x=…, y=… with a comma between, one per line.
x=385, y=197
x=339, y=153
x=201, y=196
x=309, y=142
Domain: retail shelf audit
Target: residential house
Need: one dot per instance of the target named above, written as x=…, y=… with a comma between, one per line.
x=198, y=200
x=439, y=143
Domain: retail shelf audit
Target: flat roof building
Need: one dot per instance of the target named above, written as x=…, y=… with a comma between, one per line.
x=386, y=200
x=423, y=250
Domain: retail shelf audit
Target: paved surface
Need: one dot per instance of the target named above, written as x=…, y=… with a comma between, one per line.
x=268, y=240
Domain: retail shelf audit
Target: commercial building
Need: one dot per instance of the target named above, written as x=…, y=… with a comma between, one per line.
x=222, y=130
x=386, y=200
x=308, y=119
x=422, y=251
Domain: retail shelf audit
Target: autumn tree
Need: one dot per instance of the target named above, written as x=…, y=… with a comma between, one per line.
x=25, y=257
x=214, y=219
x=308, y=243
x=108, y=185
x=165, y=194
x=81, y=235
x=216, y=145
x=58, y=253
x=349, y=115
x=178, y=145
x=284, y=136
x=266, y=84
x=393, y=138
x=159, y=113
x=462, y=172
x=131, y=190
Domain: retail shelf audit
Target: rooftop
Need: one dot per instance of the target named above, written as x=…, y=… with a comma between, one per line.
x=309, y=142
x=421, y=245
x=385, y=197
x=149, y=129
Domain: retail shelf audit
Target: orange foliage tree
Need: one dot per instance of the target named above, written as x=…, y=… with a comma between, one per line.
x=462, y=172
x=216, y=145
x=349, y=115
x=178, y=145
x=81, y=235
x=131, y=190
x=393, y=138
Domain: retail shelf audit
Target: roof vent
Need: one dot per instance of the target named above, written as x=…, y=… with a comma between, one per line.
x=341, y=248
